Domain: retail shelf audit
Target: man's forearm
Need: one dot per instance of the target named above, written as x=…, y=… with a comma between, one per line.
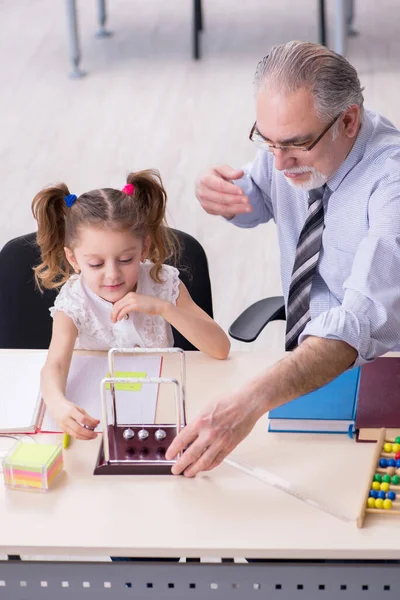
x=313, y=364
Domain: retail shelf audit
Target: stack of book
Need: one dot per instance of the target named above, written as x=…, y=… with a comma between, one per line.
x=330, y=409
x=360, y=401
x=379, y=399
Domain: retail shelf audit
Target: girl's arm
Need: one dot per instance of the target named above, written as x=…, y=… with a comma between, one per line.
x=67, y=415
x=196, y=325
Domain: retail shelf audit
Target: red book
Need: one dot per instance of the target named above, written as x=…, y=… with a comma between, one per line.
x=379, y=399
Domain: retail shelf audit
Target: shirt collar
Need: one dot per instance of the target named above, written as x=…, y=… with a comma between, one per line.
x=355, y=155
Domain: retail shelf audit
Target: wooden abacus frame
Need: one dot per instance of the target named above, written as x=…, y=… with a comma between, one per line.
x=364, y=510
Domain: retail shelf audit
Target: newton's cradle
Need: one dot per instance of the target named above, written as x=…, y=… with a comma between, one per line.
x=132, y=449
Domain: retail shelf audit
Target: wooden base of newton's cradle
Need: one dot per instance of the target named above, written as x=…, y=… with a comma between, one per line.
x=136, y=457
x=375, y=468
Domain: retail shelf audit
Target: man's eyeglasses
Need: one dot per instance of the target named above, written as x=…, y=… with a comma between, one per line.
x=260, y=141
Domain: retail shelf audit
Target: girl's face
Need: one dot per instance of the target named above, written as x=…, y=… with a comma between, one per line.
x=108, y=260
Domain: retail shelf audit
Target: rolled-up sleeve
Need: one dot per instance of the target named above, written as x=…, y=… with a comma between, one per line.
x=369, y=317
x=256, y=184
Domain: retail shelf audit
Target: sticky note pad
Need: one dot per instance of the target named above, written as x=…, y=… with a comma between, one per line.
x=32, y=466
x=127, y=387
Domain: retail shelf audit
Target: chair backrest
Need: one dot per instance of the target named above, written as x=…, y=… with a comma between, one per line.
x=25, y=320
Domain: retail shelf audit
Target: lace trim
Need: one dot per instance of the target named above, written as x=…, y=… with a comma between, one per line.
x=72, y=302
x=152, y=329
x=156, y=332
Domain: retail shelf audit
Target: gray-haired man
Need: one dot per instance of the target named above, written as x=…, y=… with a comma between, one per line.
x=328, y=173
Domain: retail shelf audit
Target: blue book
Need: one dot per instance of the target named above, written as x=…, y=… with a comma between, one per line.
x=330, y=409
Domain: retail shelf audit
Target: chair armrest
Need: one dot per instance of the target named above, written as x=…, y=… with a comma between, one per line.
x=250, y=323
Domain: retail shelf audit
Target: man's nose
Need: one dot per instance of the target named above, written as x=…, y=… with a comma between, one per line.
x=283, y=160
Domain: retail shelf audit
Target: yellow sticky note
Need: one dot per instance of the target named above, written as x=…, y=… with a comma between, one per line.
x=127, y=387
x=33, y=455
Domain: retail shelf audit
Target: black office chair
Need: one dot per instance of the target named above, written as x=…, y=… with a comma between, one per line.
x=25, y=319
x=250, y=323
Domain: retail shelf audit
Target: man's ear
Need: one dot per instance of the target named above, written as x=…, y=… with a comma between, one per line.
x=351, y=121
x=71, y=259
x=146, y=248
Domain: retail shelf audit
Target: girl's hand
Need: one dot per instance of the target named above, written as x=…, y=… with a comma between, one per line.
x=134, y=302
x=71, y=419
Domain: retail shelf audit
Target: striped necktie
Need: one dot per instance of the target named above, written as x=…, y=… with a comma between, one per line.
x=305, y=264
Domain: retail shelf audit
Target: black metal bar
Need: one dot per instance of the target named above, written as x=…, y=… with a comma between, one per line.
x=275, y=580
x=322, y=23
x=201, y=21
x=197, y=26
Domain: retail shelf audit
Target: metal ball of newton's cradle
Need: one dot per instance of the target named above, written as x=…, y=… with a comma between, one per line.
x=143, y=434
x=160, y=435
x=128, y=434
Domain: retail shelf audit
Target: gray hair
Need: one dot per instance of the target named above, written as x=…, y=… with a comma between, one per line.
x=333, y=81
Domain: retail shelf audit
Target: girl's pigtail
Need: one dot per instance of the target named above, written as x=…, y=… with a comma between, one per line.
x=147, y=189
x=49, y=209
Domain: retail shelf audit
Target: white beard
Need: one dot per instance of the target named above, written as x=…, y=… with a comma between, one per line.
x=316, y=180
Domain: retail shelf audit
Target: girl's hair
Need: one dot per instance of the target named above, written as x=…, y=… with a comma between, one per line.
x=140, y=209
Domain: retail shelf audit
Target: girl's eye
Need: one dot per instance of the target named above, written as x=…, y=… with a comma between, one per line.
x=126, y=260
x=96, y=266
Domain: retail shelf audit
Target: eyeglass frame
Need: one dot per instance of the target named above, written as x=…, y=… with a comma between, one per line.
x=299, y=148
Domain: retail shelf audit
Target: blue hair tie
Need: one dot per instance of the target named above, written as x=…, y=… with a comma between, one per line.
x=69, y=200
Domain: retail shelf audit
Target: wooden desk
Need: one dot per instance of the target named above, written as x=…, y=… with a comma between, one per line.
x=223, y=513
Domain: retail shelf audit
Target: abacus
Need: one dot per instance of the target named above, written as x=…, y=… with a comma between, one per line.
x=382, y=494
x=132, y=449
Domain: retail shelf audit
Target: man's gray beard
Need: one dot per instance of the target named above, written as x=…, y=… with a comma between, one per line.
x=316, y=180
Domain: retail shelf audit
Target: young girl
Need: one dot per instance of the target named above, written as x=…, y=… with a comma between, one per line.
x=106, y=249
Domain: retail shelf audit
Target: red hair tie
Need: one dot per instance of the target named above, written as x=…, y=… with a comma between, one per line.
x=128, y=189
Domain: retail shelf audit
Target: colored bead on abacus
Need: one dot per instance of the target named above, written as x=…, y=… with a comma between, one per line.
x=379, y=503
x=373, y=494
x=383, y=463
x=382, y=495
x=387, y=447
x=396, y=448
x=385, y=487
x=387, y=504
x=391, y=495
x=395, y=479
x=398, y=463
x=391, y=462
x=397, y=455
x=386, y=478
x=378, y=477
x=397, y=440
x=371, y=503
x=376, y=485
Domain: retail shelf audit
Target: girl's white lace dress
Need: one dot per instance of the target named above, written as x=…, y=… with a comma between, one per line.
x=91, y=314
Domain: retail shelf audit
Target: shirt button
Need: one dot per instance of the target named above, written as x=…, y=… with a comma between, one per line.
x=126, y=317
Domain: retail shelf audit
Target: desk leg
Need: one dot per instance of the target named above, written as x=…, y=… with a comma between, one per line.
x=102, y=16
x=340, y=27
x=197, y=27
x=350, y=18
x=322, y=22
x=201, y=21
x=75, y=54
